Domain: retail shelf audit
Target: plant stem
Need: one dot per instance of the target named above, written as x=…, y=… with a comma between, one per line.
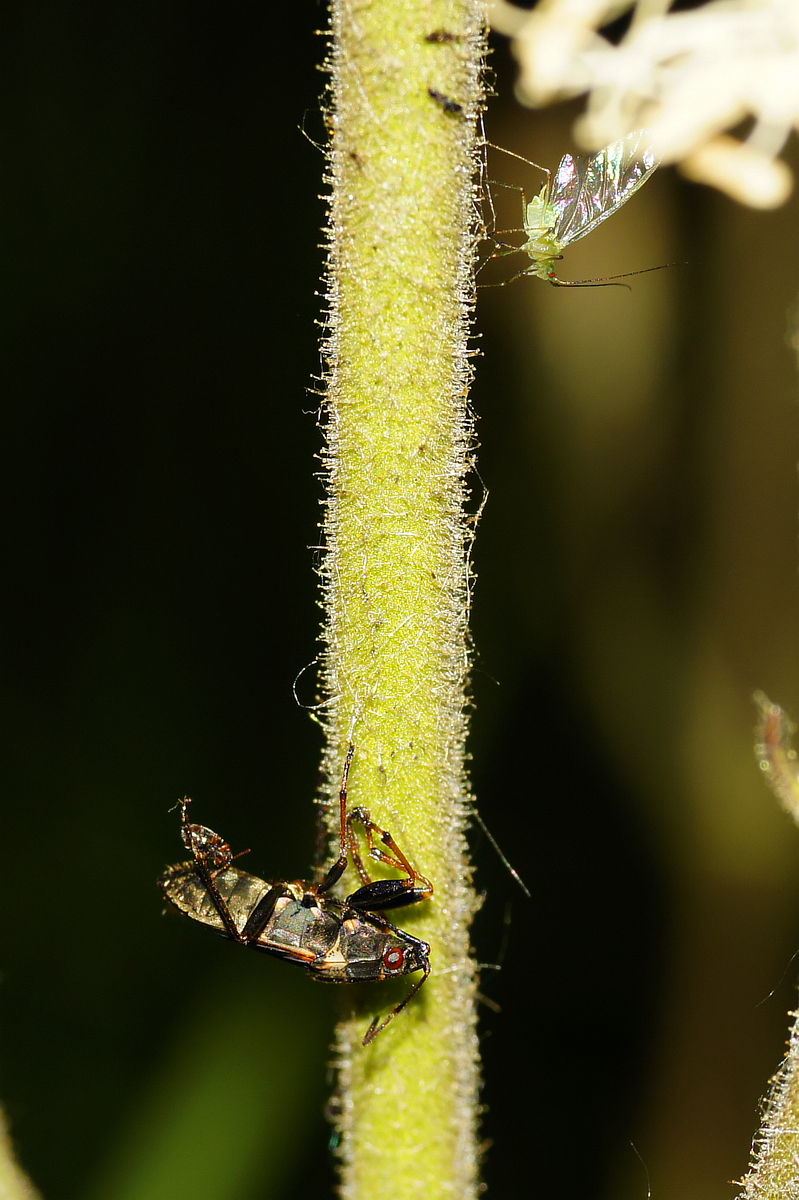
x=774, y=1174
x=402, y=237
x=14, y=1185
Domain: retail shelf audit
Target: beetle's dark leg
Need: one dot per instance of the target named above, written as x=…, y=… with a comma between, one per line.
x=387, y=893
x=262, y=913
x=378, y=1026
x=219, y=904
x=340, y=865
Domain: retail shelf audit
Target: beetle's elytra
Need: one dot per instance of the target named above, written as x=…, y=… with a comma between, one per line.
x=337, y=941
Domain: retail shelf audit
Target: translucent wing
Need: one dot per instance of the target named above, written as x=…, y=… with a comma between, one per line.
x=586, y=191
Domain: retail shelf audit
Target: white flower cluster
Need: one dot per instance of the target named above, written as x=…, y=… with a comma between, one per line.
x=685, y=77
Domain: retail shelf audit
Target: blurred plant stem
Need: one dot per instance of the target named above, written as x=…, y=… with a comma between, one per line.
x=406, y=92
x=14, y=1185
x=225, y=1113
x=774, y=1174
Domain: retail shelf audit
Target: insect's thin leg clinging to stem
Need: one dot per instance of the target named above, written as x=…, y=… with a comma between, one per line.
x=517, y=187
x=396, y=859
x=355, y=851
x=513, y=278
x=514, y=187
x=507, y=247
x=340, y=865
x=528, y=161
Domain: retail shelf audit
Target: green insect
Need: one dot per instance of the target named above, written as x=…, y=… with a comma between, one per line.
x=582, y=193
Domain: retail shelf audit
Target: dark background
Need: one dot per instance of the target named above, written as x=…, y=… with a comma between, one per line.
x=637, y=581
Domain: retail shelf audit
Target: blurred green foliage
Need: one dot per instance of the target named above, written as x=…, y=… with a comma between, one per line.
x=230, y=1107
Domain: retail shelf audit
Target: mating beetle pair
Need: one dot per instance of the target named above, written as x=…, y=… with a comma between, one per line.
x=338, y=941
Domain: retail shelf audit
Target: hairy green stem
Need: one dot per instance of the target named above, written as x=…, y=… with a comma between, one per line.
x=774, y=1173
x=406, y=94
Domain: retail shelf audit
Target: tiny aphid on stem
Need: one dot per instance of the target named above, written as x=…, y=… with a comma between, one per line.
x=581, y=194
x=442, y=37
x=447, y=103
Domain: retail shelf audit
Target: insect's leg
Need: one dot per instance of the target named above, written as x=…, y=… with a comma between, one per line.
x=505, y=282
x=219, y=903
x=513, y=187
x=399, y=861
x=378, y=1026
x=340, y=865
x=484, y=190
x=384, y=893
x=528, y=161
x=206, y=846
x=355, y=849
x=261, y=915
x=506, y=247
x=544, y=194
x=211, y=856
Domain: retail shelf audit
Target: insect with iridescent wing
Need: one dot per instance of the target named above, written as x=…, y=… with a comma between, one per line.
x=581, y=194
x=337, y=941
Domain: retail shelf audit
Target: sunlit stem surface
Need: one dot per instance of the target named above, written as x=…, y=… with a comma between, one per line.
x=404, y=101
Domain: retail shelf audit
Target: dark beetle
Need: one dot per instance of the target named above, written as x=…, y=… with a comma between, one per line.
x=338, y=941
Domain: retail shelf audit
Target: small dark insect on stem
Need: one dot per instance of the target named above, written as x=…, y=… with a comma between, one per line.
x=447, y=103
x=443, y=37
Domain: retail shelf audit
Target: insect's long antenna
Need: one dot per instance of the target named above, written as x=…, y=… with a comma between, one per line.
x=607, y=280
x=590, y=282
